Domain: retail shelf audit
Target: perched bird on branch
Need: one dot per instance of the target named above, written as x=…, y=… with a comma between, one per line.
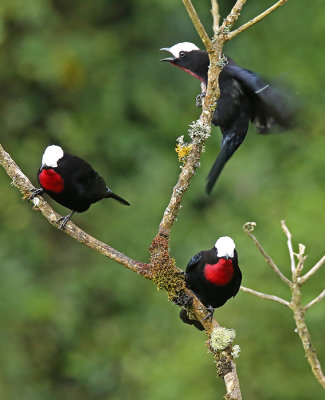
x=71, y=181
x=244, y=96
x=214, y=276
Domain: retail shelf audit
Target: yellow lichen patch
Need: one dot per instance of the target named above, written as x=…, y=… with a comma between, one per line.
x=183, y=151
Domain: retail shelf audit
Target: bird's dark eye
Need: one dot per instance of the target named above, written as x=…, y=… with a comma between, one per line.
x=181, y=54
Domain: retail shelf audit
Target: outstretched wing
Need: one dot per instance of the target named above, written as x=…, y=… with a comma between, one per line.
x=271, y=106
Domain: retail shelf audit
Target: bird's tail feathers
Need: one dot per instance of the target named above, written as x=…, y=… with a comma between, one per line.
x=114, y=196
x=228, y=147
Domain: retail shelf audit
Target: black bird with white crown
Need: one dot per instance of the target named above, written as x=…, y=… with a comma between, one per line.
x=214, y=276
x=244, y=96
x=71, y=182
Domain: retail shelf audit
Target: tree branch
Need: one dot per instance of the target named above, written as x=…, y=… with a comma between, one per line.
x=199, y=133
x=289, y=244
x=301, y=259
x=253, y=21
x=315, y=268
x=232, y=17
x=316, y=300
x=248, y=229
x=299, y=316
x=295, y=304
x=215, y=16
x=197, y=23
x=265, y=296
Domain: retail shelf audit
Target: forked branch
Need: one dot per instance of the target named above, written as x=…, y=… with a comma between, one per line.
x=232, y=17
x=253, y=21
x=295, y=286
x=249, y=228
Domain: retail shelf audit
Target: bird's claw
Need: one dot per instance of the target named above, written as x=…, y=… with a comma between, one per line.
x=210, y=311
x=63, y=221
x=35, y=192
x=184, y=300
x=199, y=98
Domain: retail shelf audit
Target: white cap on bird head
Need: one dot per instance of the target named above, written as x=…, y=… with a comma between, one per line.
x=51, y=156
x=183, y=46
x=225, y=246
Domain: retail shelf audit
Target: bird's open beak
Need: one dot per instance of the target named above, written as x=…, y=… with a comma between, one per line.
x=170, y=59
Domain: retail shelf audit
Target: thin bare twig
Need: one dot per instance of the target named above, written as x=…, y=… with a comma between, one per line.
x=265, y=296
x=298, y=309
x=215, y=16
x=232, y=17
x=289, y=244
x=301, y=260
x=315, y=268
x=253, y=21
x=248, y=229
x=316, y=300
x=197, y=24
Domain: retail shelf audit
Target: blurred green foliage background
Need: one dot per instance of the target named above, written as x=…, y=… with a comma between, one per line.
x=86, y=75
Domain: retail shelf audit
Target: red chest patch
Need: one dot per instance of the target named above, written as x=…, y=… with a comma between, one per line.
x=219, y=274
x=51, y=181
